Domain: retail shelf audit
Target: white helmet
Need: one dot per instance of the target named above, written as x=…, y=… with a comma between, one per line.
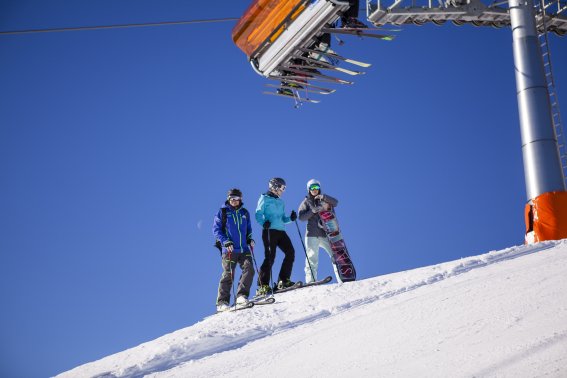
x=312, y=182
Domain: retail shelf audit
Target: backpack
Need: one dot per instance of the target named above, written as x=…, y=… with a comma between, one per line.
x=218, y=244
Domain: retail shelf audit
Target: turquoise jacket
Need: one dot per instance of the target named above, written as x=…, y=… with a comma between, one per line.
x=272, y=208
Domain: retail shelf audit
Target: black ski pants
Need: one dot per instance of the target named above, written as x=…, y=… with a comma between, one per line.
x=273, y=239
x=243, y=259
x=351, y=12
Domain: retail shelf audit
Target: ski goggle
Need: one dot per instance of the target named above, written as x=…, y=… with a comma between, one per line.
x=280, y=187
x=315, y=187
x=234, y=198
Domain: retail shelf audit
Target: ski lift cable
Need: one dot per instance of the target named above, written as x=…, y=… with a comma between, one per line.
x=122, y=26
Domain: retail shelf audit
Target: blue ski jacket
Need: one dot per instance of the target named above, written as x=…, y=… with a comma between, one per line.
x=238, y=228
x=272, y=208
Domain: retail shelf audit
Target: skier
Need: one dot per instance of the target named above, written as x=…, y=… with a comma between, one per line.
x=349, y=18
x=315, y=236
x=232, y=229
x=270, y=213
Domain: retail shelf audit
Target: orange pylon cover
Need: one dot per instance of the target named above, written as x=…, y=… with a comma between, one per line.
x=547, y=216
x=263, y=22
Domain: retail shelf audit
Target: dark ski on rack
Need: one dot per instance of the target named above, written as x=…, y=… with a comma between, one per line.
x=330, y=53
x=302, y=82
x=358, y=32
x=311, y=72
x=292, y=96
x=299, y=89
x=321, y=65
x=304, y=77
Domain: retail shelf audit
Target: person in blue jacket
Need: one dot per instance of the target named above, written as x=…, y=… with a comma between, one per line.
x=270, y=213
x=232, y=229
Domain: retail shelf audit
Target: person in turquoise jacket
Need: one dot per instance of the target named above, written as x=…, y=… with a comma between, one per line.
x=270, y=213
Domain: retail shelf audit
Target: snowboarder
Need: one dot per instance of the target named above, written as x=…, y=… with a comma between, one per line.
x=270, y=213
x=315, y=236
x=232, y=229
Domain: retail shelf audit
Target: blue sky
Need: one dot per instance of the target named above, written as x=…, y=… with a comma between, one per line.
x=117, y=148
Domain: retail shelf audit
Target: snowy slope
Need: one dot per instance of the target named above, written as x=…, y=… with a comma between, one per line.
x=499, y=314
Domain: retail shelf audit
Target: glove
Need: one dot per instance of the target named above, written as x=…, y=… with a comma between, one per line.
x=267, y=225
x=228, y=245
x=319, y=197
x=293, y=216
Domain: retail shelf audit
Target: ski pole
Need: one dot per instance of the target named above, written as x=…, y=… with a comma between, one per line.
x=229, y=255
x=305, y=250
x=254, y=260
x=271, y=261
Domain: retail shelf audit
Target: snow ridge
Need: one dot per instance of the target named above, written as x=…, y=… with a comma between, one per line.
x=228, y=332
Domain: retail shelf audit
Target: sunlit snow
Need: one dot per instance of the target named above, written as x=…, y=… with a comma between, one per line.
x=503, y=314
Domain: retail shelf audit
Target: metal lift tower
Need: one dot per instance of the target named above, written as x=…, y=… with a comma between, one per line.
x=543, y=142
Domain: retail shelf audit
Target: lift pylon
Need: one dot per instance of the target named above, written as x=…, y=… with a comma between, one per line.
x=546, y=189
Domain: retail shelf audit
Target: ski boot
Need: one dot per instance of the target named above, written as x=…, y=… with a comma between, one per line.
x=241, y=300
x=353, y=23
x=222, y=306
x=283, y=285
x=285, y=92
x=263, y=290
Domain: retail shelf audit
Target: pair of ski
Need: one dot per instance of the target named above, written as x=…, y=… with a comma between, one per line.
x=297, y=285
x=269, y=298
x=297, y=75
x=300, y=73
x=295, y=80
x=359, y=32
x=251, y=303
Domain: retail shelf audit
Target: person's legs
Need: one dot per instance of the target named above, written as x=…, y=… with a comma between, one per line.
x=349, y=18
x=287, y=248
x=312, y=260
x=247, y=276
x=269, y=257
x=225, y=283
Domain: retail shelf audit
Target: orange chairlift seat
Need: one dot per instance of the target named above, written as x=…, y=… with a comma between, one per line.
x=272, y=32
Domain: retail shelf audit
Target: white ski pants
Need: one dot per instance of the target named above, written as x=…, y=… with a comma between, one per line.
x=312, y=261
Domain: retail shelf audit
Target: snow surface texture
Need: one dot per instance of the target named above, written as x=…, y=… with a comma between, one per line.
x=501, y=314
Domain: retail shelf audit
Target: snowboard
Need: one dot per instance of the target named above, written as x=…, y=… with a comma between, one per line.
x=341, y=257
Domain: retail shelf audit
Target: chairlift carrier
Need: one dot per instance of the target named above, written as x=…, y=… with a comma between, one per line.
x=272, y=32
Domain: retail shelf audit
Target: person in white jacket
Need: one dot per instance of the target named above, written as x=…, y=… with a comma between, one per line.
x=315, y=236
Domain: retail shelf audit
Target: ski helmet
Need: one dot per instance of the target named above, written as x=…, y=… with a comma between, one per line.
x=313, y=182
x=234, y=193
x=276, y=183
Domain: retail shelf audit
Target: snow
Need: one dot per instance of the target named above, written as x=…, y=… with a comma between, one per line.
x=500, y=314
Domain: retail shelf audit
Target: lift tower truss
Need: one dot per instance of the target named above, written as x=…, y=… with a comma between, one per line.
x=460, y=12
